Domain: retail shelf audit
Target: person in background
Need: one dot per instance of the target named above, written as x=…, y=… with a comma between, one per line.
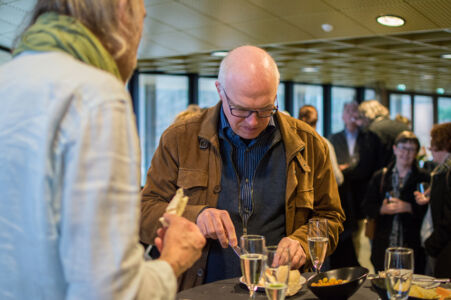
x=246, y=168
x=69, y=182
x=391, y=202
x=375, y=117
x=400, y=118
x=191, y=110
x=357, y=158
x=436, y=229
x=309, y=115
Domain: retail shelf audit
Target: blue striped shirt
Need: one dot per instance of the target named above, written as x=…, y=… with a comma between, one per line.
x=246, y=158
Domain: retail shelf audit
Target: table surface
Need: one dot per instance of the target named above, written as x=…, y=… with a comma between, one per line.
x=230, y=289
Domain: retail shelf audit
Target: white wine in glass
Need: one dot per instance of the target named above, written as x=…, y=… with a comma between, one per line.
x=277, y=271
x=398, y=272
x=318, y=239
x=253, y=259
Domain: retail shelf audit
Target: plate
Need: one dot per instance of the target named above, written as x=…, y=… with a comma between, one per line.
x=261, y=285
x=424, y=281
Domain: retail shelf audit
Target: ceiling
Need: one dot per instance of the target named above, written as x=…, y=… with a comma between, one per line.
x=179, y=36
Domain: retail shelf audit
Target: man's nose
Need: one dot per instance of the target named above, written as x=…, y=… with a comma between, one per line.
x=252, y=119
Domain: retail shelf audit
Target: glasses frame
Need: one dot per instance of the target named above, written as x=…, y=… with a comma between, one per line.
x=250, y=111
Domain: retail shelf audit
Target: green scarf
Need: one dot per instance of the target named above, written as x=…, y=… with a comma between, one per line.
x=54, y=32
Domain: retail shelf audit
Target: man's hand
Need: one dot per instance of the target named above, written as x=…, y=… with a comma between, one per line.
x=180, y=244
x=216, y=224
x=297, y=254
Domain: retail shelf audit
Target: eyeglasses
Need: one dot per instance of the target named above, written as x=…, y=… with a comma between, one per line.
x=244, y=112
x=406, y=149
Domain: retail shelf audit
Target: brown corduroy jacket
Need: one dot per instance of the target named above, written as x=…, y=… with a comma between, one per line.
x=188, y=156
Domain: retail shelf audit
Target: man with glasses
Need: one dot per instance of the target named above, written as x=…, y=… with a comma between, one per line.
x=246, y=168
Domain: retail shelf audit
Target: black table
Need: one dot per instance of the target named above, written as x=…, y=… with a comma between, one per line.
x=230, y=289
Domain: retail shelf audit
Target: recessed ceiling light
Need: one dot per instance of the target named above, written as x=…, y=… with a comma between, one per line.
x=310, y=69
x=447, y=56
x=401, y=87
x=219, y=53
x=327, y=27
x=391, y=21
x=440, y=91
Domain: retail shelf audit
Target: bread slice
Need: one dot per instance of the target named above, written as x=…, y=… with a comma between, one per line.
x=176, y=206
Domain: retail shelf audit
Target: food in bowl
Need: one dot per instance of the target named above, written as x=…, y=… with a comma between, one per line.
x=332, y=281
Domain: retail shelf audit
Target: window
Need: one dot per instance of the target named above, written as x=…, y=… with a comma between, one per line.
x=340, y=96
x=370, y=94
x=423, y=118
x=161, y=98
x=208, y=95
x=444, y=109
x=304, y=94
x=400, y=104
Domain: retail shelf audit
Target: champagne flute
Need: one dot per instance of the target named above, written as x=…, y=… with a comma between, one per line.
x=277, y=270
x=318, y=239
x=398, y=272
x=252, y=258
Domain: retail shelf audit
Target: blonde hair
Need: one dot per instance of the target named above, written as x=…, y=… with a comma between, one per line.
x=192, y=110
x=372, y=109
x=100, y=16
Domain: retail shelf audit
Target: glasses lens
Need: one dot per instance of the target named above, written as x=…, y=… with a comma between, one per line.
x=240, y=113
x=266, y=113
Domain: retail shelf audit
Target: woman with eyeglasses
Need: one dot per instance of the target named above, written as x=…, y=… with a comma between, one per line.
x=391, y=203
x=436, y=229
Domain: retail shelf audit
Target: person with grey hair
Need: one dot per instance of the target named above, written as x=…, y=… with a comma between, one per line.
x=69, y=182
x=376, y=118
x=247, y=168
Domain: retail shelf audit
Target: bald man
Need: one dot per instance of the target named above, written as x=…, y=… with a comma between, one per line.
x=246, y=168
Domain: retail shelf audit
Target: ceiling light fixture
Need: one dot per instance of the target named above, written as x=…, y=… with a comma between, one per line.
x=391, y=21
x=447, y=56
x=219, y=53
x=440, y=91
x=310, y=69
x=327, y=27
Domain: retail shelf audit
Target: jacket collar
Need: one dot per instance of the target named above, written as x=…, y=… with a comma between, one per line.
x=288, y=128
x=209, y=125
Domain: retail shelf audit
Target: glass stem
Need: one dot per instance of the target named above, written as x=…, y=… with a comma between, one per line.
x=251, y=293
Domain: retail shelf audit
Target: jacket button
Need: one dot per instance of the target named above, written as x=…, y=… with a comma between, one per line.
x=200, y=272
x=203, y=144
x=217, y=189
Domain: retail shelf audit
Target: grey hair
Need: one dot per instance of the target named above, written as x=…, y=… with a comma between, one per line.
x=100, y=16
x=223, y=68
x=371, y=109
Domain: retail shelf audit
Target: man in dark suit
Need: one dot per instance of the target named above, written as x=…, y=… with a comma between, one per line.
x=358, y=159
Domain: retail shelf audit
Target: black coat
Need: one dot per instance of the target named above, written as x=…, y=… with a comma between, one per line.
x=411, y=221
x=438, y=245
x=357, y=175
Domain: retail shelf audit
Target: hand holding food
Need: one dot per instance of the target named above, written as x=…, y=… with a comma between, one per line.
x=176, y=206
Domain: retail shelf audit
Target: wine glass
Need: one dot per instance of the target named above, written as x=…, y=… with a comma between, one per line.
x=317, y=241
x=277, y=270
x=252, y=259
x=398, y=272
